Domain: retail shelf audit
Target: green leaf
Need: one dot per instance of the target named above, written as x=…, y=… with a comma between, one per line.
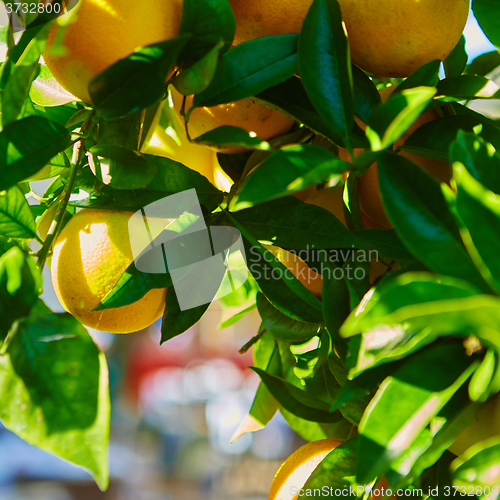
x=479, y=216
x=336, y=307
x=197, y=77
x=287, y=171
x=425, y=76
x=131, y=287
x=282, y=327
x=54, y=391
x=174, y=321
x=280, y=286
x=487, y=13
x=455, y=63
x=228, y=136
x=16, y=218
x=263, y=409
x=467, y=87
x=484, y=64
x=366, y=96
x=20, y=286
x=479, y=467
x=291, y=99
x=121, y=168
x=173, y=177
x=21, y=76
x=250, y=68
x=137, y=81
x=395, y=116
x=438, y=135
x=416, y=207
x=405, y=403
x=479, y=157
x=292, y=224
x=325, y=67
x=27, y=145
x=412, y=302
x=314, y=431
x=210, y=22
x=335, y=472
x=295, y=400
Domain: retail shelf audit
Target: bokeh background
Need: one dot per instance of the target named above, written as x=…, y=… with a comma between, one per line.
x=175, y=409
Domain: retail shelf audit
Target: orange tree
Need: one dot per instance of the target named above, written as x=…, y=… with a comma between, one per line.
x=402, y=367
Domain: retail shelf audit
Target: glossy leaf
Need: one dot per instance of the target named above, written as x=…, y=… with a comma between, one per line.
x=334, y=473
x=325, y=67
x=412, y=302
x=438, y=135
x=291, y=224
x=250, y=68
x=20, y=286
x=121, y=168
x=468, y=87
x=484, y=64
x=479, y=215
x=17, y=88
x=287, y=171
x=291, y=99
x=228, y=136
x=487, y=13
x=415, y=205
x=455, y=63
x=405, y=403
x=16, y=218
x=281, y=327
x=137, y=81
x=210, y=22
x=197, y=77
x=479, y=157
x=282, y=289
x=479, y=467
x=26, y=146
x=174, y=321
x=393, y=118
x=54, y=391
x=296, y=400
x=425, y=76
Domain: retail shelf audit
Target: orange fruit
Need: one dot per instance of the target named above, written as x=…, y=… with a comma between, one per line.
x=258, y=18
x=101, y=33
x=393, y=38
x=90, y=255
x=298, y=467
x=265, y=122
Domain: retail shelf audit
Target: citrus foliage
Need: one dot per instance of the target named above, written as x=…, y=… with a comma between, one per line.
x=400, y=364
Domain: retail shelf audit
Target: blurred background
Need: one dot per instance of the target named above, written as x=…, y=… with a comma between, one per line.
x=175, y=409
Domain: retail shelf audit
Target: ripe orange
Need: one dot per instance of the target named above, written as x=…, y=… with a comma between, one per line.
x=258, y=18
x=103, y=32
x=265, y=122
x=394, y=38
x=90, y=255
x=298, y=467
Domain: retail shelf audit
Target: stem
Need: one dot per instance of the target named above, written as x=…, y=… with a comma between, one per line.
x=252, y=341
x=78, y=154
